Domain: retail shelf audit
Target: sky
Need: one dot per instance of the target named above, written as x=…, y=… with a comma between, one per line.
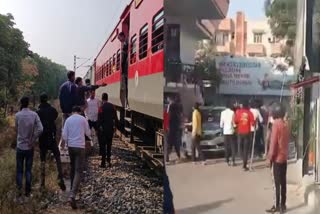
x=60, y=29
x=254, y=9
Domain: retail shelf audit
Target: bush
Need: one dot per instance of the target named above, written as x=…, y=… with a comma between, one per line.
x=8, y=176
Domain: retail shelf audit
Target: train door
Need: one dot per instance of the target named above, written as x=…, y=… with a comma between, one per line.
x=125, y=62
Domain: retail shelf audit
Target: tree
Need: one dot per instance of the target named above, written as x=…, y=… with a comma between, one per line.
x=282, y=16
x=205, y=64
x=23, y=72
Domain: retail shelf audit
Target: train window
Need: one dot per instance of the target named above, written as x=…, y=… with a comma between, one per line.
x=110, y=66
x=107, y=69
x=114, y=58
x=157, y=32
x=118, y=60
x=103, y=70
x=143, y=42
x=133, y=49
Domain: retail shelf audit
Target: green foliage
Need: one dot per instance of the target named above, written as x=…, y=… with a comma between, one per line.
x=297, y=120
x=21, y=71
x=205, y=66
x=282, y=16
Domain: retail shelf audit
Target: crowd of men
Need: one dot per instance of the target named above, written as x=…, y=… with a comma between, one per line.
x=82, y=112
x=243, y=128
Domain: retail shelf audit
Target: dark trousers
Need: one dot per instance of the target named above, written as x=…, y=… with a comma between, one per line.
x=196, y=146
x=93, y=124
x=259, y=142
x=24, y=161
x=280, y=180
x=244, y=142
x=229, y=145
x=52, y=147
x=173, y=140
x=77, y=161
x=105, y=144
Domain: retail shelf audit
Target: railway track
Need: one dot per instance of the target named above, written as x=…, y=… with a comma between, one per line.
x=149, y=154
x=133, y=184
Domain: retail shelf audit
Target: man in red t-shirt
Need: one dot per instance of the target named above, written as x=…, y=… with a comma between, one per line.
x=244, y=119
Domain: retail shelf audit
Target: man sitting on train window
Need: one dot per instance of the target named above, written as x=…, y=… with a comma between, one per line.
x=124, y=63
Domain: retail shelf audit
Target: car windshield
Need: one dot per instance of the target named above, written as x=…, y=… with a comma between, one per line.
x=210, y=126
x=211, y=115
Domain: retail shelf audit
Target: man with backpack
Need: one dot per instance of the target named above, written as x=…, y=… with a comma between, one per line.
x=244, y=119
x=28, y=128
x=47, y=140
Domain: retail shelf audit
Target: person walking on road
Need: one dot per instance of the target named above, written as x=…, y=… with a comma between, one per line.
x=175, y=113
x=196, y=133
x=28, y=128
x=74, y=132
x=244, y=119
x=227, y=126
x=277, y=157
x=107, y=122
x=47, y=140
x=92, y=110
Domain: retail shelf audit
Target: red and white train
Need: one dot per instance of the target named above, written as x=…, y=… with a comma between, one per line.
x=142, y=22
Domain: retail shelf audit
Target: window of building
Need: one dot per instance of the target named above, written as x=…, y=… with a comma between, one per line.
x=257, y=37
x=221, y=38
x=118, y=60
x=157, y=32
x=143, y=42
x=133, y=49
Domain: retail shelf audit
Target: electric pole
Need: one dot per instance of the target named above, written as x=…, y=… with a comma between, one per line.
x=74, y=63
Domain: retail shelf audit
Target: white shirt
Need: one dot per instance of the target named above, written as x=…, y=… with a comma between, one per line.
x=227, y=121
x=92, y=109
x=257, y=117
x=74, y=131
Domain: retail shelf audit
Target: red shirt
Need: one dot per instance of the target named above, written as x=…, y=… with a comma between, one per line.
x=278, y=151
x=165, y=120
x=244, y=119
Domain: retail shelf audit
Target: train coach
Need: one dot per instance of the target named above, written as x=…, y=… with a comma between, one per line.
x=142, y=22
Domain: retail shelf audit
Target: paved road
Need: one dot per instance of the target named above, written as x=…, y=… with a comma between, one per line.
x=217, y=188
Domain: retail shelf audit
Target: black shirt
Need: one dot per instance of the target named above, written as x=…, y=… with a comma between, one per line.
x=175, y=116
x=48, y=116
x=81, y=93
x=107, y=118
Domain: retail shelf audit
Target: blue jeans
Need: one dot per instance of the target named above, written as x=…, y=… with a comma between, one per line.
x=24, y=157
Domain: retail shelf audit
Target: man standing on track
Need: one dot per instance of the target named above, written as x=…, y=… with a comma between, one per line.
x=278, y=155
x=47, y=140
x=244, y=120
x=227, y=125
x=81, y=93
x=107, y=122
x=28, y=128
x=74, y=132
x=92, y=110
x=67, y=98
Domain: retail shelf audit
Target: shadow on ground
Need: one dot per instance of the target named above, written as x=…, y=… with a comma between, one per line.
x=204, y=207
